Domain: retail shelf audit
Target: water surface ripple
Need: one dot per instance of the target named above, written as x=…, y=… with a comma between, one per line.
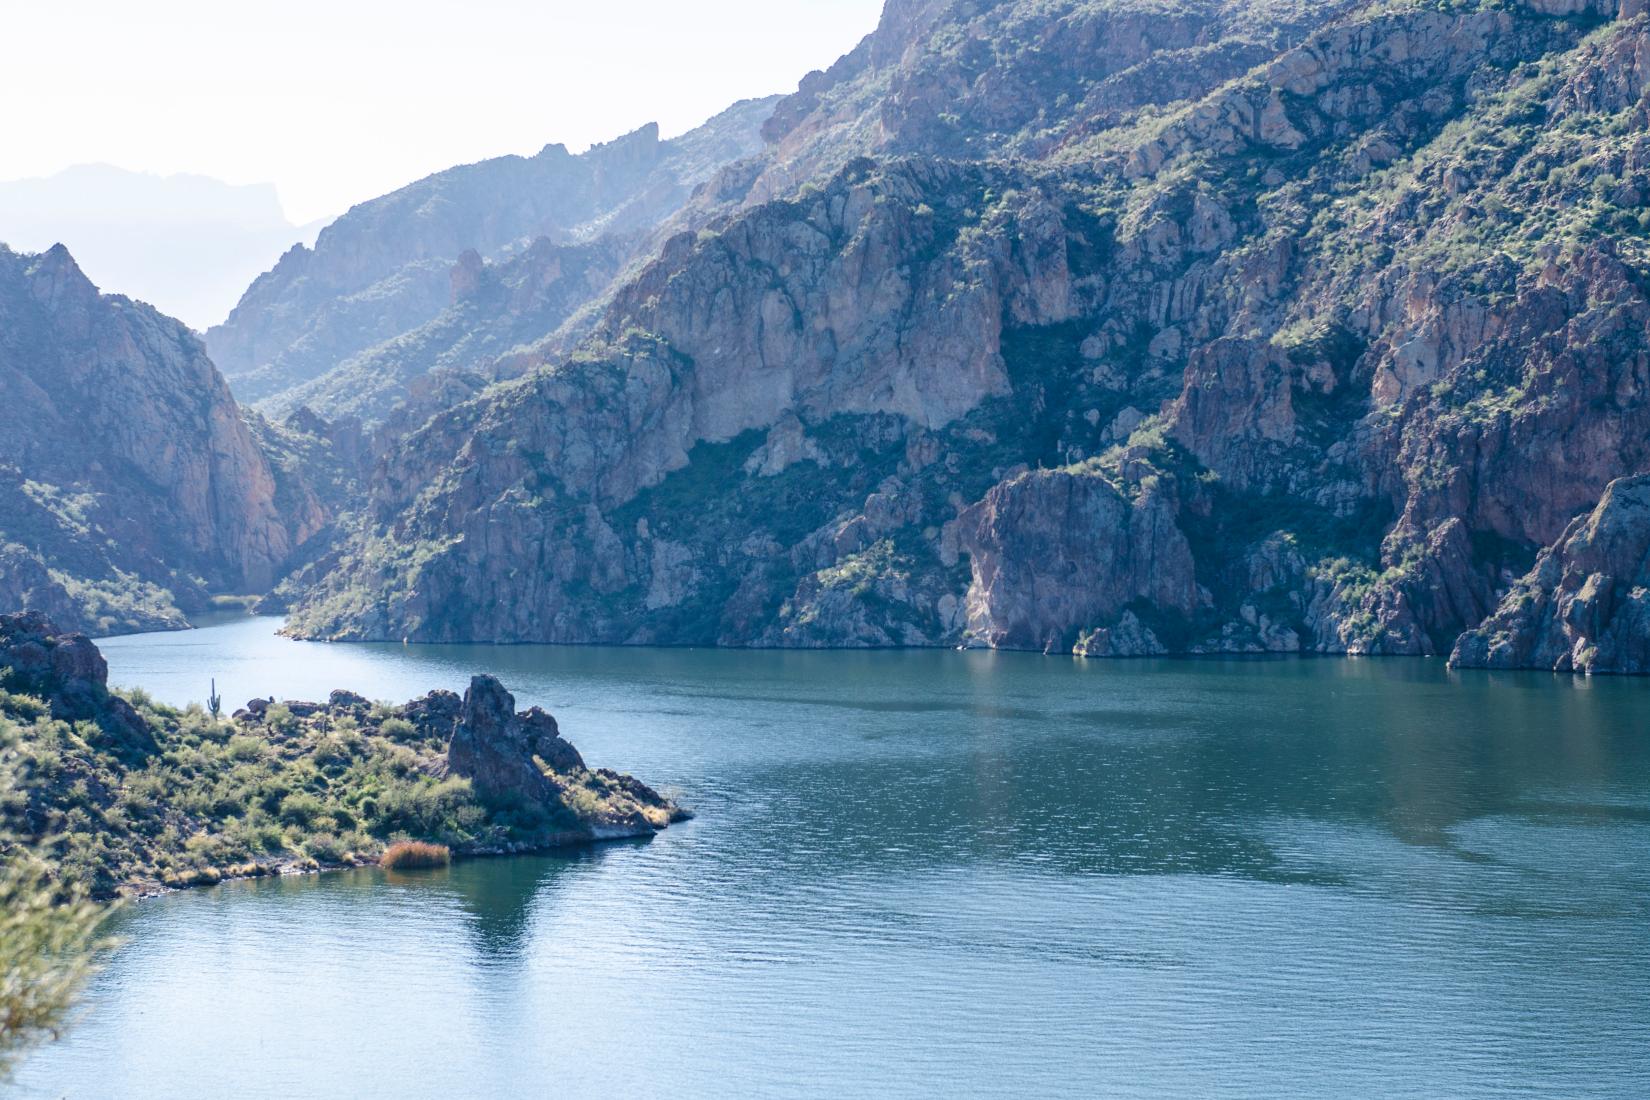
x=940, y=874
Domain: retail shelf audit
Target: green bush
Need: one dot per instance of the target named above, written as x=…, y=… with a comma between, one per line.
x=302, y=810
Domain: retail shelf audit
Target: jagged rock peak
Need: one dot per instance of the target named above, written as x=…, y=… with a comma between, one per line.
x=494, y=747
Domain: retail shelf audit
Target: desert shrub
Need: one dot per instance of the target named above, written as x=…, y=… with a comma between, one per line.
x=428, y=808
x=245, y=748
x=24, y=706
x=302, y=809
x=325, y=847
x=256, y=833
x=281, y=719
x=332, y=751
x=398, y=729
x=49, y=937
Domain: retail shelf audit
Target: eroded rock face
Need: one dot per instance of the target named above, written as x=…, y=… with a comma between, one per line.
x=1055, y=553
x=494, y=747
x=1585, y=607
x=67, y=671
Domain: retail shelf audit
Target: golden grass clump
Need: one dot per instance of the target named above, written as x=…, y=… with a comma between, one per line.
x=407, y=855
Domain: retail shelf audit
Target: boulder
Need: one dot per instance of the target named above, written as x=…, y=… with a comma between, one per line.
x=434, y=714
x=1054, y=552
x=69, y=673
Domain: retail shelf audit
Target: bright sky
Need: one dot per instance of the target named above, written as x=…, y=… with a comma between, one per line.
x=337, y=101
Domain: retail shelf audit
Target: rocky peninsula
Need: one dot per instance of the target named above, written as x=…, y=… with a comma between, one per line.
x=131, y=796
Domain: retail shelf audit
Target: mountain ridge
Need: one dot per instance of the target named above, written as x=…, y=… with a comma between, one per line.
x=133, y=490
x=384, y=268
x=1215, y=326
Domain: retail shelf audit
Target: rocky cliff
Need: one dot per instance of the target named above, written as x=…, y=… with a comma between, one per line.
x=1255, y=328
x=130, y=487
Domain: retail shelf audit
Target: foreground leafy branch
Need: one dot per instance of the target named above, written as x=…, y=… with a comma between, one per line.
x=48, y=948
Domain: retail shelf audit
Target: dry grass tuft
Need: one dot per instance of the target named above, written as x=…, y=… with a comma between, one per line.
x=407, y=855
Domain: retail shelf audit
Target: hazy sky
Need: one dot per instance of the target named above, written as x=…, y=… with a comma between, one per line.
x=336, y=101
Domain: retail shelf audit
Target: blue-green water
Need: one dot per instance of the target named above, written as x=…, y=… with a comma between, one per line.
x=941, y=874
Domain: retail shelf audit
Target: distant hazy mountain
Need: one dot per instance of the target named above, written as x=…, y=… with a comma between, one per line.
x=186, y=244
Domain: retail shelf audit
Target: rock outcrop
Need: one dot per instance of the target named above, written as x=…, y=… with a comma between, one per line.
x=1585, y=607
x=1058, y=554
x=520, y=759
x=68, y=672
x=494, y=747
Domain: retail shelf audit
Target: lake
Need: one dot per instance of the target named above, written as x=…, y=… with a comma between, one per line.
x=938, y=874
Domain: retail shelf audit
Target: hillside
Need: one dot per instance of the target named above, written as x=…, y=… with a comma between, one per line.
x=1313, y=345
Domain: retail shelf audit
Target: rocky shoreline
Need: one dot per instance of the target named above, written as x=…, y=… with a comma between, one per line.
x=295, y=868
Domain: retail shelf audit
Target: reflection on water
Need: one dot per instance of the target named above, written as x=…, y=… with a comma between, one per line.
x=942, y=873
